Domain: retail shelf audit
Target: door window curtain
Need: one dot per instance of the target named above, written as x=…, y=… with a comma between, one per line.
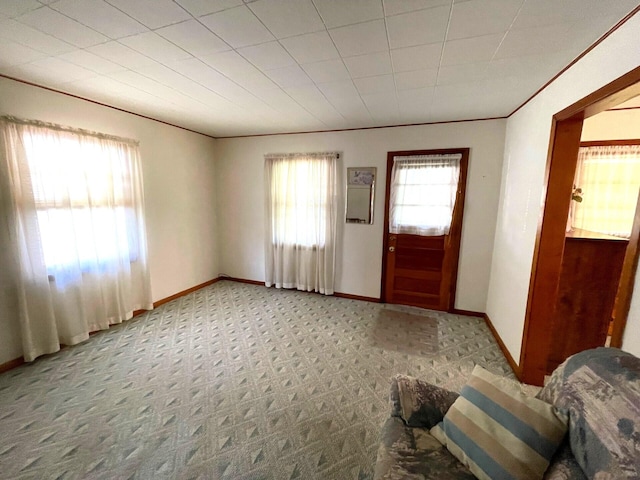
x=301, y=220
x=609, y=177
x=423, y=193
x=73, y=207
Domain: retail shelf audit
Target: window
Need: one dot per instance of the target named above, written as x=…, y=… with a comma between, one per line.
x=609, y=177
x=423, y=193
x=75, y=231
x=301, y=221
x=84, y=201
x=300, y=192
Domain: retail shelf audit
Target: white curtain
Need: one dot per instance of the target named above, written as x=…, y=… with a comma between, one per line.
x=609, y=177
x=73, y=207
x=301, y=220
x=423, y=193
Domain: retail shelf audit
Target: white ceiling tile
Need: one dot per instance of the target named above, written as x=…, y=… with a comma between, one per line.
x=280, y=100
x=471, y=72
x=193, y=37
x=531, y=41
x=416, y=79
x=180, y=83
x=289, y=76
x=154, y=46
x=165, y=75
x=100, y=16
x=322, y=110
x=395, y=7
x=378, y=84
x=336, y=13
x=549, y=12
x=416, y=58
x=90, y=61
x=64, y=69
x=19, y=33
x=547, y=64
x=587, y=31
x=327, y=71
x=106, y=89
x=417, y=28
x=312, y=47
x=267, y=56
x=306, y=95
x=471, y=50
x=369, y=37
x=415, y=105
x=13, y=8
x=338, y=91
x=422, y=96
x=200, y=72
x=152, y=13
x=482, y=17
x=121, y=54
x=255, y=82
x=287, y=18
x=224, y=92
x=231, y=63
x=12, y=53
x=369, y=65
x=239, y=27
x=145, y=84
x=36, y=74
x=49, y=21
x=353, y=108
x=204, y=7
x=382, y=106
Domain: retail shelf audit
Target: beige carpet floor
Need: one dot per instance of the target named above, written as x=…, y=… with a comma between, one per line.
x=231, y=381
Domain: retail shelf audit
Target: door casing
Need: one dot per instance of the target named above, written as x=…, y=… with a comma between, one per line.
x=455, y=233
x=562, y=158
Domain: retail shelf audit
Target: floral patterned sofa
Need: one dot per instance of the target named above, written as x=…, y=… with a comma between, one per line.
x=598, y=390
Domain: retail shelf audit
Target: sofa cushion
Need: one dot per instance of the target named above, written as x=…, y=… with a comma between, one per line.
x=412, y=453
x=498, y=431
x=419, y=403
x=600, y=389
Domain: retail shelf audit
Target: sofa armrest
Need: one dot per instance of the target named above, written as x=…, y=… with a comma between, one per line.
x=418, y=403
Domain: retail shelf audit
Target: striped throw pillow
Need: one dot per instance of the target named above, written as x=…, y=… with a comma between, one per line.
x=499, y=432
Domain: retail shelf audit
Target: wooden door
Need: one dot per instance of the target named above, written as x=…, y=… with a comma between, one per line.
x=591, y=268
x=418, y=270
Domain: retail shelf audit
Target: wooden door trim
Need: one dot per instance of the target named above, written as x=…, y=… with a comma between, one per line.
x=549, y=246
x=456, y=222
x=610, y=143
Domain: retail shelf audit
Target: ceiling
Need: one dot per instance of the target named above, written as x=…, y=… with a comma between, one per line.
x=631, y=103
x=234, y=67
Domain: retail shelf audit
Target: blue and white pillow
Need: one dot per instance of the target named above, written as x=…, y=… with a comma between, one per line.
x=499, y=432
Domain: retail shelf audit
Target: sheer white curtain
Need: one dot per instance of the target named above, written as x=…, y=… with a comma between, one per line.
x=609, y=177
x=301, y=216
x=423, y=193
x=74, y=210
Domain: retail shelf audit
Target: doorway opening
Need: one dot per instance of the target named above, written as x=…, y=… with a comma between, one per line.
x=554, y=256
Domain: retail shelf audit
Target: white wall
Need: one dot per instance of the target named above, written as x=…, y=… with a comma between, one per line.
x=240, y=168
x=179, y=187
x=525, y=156
x=612, y=125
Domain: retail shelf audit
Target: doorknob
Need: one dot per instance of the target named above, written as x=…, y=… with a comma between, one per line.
x=392, y=249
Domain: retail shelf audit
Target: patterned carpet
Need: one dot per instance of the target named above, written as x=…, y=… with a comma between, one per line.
x=232, y=381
